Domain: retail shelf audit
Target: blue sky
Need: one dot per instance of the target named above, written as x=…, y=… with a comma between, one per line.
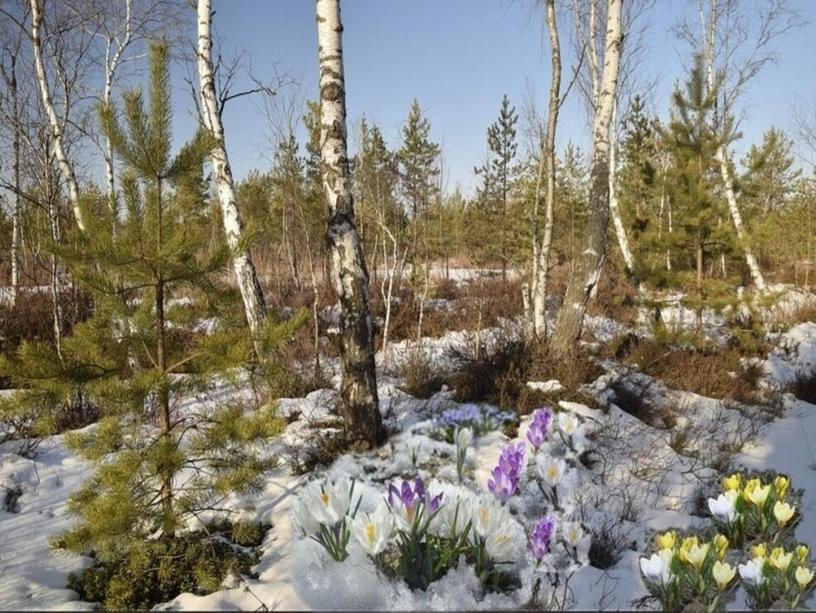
x=458, y=57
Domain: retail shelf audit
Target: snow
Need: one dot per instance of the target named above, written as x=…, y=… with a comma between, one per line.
x=636, y=480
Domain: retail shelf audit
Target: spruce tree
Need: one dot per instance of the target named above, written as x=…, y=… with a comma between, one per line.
x=159, y=459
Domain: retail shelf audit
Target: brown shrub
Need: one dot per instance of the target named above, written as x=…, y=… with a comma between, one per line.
x=419, y=378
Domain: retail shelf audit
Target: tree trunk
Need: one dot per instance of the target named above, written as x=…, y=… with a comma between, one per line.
x=65, y=166
x=358, y=390
x=588, y=269
x=541, y=250
x=245, y=274
x=614, y=207
x=710, y=40
x=16, y=219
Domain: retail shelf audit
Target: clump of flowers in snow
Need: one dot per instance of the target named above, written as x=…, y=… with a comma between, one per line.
x=480, y=420
x=750, y=509
x=777, y=577
x=540, y=426
x=689, y=573
x=698, y=574
x=324, y=513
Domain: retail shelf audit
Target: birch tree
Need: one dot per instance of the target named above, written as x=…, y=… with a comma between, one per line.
x=65, y=165
x=542, y=244
x=358, y=390
x=243, y=267
x=588, y=268
x=736, y=42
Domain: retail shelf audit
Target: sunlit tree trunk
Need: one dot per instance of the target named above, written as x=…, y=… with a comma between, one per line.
x=614, y=206
x=590, y=261
x=723, y=159
x=16, y=218
x=358, y=391
x=65, y=166
x=243, y=266
x=543, y=245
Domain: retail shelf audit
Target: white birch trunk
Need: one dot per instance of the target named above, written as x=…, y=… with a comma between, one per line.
x=245, y=273
x=541, y=250
x=65, y=166
x=571, y=316
x=614, y=205
x=358, y=390
x=710, y=41
x=16, y=219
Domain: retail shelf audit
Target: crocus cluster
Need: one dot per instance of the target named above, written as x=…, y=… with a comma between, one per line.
x=777, y=576
x=690, y=570
x=480, y=419
x=750, y=508
x=539, y=427
x=407, y=503
x=505, y=478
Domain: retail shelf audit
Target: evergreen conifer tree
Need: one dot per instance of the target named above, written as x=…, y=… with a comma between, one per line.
x=159, y=459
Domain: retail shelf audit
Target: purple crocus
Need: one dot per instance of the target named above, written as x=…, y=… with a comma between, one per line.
x=409, y=498
x=539, y=427
x=506, y=475
x=541, y=538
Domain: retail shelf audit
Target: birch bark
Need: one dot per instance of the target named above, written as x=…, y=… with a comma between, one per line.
x=65, y=166
x=358, y=390
x=588, y=269
x=245, y=274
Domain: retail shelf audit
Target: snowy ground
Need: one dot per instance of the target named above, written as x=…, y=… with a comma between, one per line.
x=640, y=484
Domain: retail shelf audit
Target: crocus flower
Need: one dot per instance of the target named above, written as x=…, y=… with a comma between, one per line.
x=464, y=436
x=374, y=530
x=723, y=507
x=781, y=485
x=759, y=551
x=657, y=569
x=502, y=485
x=405, y=501
x=568, y=423
x=697, y=554
x=667, y=540
x=539, y=427
x=780, y=559
x=732, y=482
x=688, y=543
x=501, y=546
x=721, y=545
x=550, y=470
x=573, y=534
x=759, y=495
x=722, y=574
x=541, y=538
x=752, y=571
x=803, y=577
x=487, y=516
x=511, y=459
x=327, y=503
x=802, y=554
x=783, y=513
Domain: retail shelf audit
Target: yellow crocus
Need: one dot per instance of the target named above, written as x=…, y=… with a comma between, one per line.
x=750, y=486
x=688, y=543
x=781, y=485
x=723, y=574
x=783, y=513
x=667, y=540
x=721, y=545
x=759, y=495
x=697, y=554
x=802, y=554
x=732, y=482
x=779, y=559
x=803, y=577
x=759, y=551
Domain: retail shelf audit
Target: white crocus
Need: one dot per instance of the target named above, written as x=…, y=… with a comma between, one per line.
x=305, y=518
x=374, y=530
x=504, y=545
x=658, y=568
x=574, y=536
x=751, y=572
x=568, y=423
x=551, y=470
x=464, y=437
x=487, y=516
x=723, y=507
x=327, y=502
